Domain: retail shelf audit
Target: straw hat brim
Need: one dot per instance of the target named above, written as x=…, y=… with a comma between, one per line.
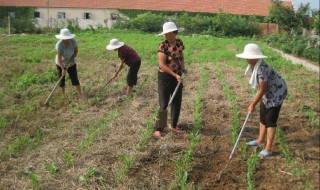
x=113, y=47
x=167, y=31
x=65, y=37
x=250, y=56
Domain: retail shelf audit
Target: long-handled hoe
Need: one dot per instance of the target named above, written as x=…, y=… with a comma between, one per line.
x=175, y=91
x=235, y=146
x=46, y=103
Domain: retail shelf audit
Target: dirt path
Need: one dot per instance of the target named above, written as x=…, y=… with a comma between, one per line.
x=296, y=60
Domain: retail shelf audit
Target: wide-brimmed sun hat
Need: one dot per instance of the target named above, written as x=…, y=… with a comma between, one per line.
x=168, y=27
x=114, y=44
x=251, y=51
x=65, y=34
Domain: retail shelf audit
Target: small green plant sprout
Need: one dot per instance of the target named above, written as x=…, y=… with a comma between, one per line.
x=127, y=161
x=3, y=122
x=52, y=168
x=34, y=179
x=89, y=173
x=68, y=159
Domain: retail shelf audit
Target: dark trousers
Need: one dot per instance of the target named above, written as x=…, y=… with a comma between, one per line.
x=72, y=71
x=132, y=76
x=166, y=86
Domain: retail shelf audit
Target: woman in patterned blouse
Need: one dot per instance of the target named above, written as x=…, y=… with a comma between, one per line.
x=171, y=67
x=271, y=92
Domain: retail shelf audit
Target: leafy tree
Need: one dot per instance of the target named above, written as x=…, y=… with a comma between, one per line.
x=283, y=16
x=22, y=20
x=316, y=20
x=302, y=16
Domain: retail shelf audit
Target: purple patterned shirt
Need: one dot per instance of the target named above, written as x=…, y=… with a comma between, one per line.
x=128, y=54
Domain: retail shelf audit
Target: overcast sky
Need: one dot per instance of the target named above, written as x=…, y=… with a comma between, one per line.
x=314, y=4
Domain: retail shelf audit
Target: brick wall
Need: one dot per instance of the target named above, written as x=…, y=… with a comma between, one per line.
x=268, y=28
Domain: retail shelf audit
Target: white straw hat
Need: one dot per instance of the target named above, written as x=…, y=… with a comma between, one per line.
x=114, y=44
x=168, y=27
x=65, y=34
x=251, y=51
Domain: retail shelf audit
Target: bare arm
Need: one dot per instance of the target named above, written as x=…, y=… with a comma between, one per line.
x=257, y=98
x=162, y=64
x=119, y=68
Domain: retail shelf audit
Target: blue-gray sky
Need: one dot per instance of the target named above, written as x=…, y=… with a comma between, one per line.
x=314, y=4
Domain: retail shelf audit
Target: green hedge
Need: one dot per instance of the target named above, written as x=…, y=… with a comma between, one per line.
x=220, y=25
x=308, y=47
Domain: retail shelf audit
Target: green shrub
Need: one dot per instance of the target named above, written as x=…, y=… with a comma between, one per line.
x=307, y=47
x=221, y=25
x=147, y=22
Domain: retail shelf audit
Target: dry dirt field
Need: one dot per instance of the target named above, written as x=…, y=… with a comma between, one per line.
x=96, y=145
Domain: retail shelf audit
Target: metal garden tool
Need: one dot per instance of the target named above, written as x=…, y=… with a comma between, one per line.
x=105, y=86
x=46, y=103
x=235, y=146
x=175, y=91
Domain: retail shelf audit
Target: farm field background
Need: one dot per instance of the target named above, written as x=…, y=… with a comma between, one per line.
x=104, y=144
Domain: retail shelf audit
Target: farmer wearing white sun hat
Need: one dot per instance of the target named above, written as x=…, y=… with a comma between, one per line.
x=271, y=92
x=67, y=50
x=171, y=67
x=129, y=57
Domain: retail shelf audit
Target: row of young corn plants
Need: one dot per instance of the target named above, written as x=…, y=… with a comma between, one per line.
x=251, y=165
x=183, y=165
x=228, y=92
x=296, y=169
x=126, y=162
x=252, y=160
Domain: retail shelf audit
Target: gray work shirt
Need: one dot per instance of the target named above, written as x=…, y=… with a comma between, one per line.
x=66, y=52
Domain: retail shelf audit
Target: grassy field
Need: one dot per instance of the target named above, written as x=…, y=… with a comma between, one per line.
x=105, y=144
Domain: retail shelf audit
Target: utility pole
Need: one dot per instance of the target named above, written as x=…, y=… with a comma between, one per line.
x=10, y=14
x=48, y=2
x=9, y=23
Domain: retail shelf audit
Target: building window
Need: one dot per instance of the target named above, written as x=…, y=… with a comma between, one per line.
x=61, y=15
x=87, y=16
x=114, y=16
x=36, y=14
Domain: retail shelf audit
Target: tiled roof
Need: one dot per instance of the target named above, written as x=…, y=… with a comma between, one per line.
x=242, y=7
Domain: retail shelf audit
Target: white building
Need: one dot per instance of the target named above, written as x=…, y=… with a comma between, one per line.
x=85, y=18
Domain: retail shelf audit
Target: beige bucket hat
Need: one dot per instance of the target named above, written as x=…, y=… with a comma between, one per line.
x=251, y=51
x=65, y=34
x=169, y=27
x=114, y=44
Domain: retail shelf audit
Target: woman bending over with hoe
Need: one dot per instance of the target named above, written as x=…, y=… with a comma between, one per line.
x=271, y=92
x=129, y=57
x=67, y=50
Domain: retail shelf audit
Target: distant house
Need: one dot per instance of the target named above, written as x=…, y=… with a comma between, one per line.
x=55, y=13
